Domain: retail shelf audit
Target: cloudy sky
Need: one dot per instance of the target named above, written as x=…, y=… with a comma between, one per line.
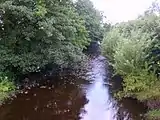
x=122, y=10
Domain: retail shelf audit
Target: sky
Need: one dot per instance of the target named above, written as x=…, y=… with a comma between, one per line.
x=122, y=10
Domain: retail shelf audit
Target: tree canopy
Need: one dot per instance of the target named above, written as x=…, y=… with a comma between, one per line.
x=92, y=17
x=34, y=33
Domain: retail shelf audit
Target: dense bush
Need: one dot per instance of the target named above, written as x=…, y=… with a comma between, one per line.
x=153, y=56
x=34, y=33
x=140, y=80
x=134, y=51
x=129, y=56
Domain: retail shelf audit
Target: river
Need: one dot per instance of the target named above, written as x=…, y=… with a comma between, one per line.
x=73, y=98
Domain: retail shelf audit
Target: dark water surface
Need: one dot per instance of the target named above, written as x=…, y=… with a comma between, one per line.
x=73, y=99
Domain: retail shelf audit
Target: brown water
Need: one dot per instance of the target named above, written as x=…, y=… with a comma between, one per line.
x=73, y=99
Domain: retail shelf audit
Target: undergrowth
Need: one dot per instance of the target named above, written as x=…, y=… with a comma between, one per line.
x=7, y=86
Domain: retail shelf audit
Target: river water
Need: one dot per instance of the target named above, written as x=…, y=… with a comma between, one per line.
x=73, y=98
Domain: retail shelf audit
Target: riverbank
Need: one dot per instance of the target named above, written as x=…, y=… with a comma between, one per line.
x=134, y=52
x=150, y=98
x=9, y=89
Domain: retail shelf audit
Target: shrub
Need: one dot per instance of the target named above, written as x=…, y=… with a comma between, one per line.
x=109, y=43
x=6, y=84
x=140, y=84
x=139, y=80
x=133, y=48
x=129, y=56
x=153, y=56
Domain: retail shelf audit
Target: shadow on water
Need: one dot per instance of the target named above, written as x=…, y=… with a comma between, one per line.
x=73, y=99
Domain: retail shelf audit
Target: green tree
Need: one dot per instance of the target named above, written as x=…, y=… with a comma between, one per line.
x=34, y=33
x=93, y=19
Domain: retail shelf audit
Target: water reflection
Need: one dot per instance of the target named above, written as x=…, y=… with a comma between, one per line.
x=73, y=99
x=100, y=105
x=60, y=103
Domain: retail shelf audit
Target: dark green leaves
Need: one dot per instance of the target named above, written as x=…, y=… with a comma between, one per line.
x=92, y=18
x=35, y=33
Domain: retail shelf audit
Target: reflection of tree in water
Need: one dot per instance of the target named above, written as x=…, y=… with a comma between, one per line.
x=131, y=109
x=61, y=103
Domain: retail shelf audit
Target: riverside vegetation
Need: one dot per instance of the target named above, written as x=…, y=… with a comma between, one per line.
x=35, y=34
x=133, y=49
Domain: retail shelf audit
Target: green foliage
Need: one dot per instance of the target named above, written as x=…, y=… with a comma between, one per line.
x=92, y=17
x=140, y=84
x=153, y=92
x=34, y=33
x=153, y=115
x=40, y=8
x=139, y=80
x=153, y=56
x=133, y=48
x=109, y=43
x=129, y=56
x=6, y=84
